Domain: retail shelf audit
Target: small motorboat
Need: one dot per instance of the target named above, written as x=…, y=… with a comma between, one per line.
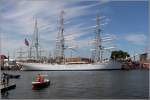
x=11, y=75
x=38, y=85
x=14, y=76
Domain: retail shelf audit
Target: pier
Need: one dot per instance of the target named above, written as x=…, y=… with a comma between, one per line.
x=7, y=88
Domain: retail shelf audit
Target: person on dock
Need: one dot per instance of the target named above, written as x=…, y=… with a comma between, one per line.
x=7, y=79
x=4, y=79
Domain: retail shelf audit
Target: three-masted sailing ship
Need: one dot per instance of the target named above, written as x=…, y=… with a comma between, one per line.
x=61, y=64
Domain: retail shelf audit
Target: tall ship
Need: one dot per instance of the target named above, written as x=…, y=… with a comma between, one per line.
x=63, y=63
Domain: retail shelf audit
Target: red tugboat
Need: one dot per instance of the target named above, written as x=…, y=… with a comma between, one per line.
x=40, y=82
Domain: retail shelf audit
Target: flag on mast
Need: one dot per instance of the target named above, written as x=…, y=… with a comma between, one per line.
x=26, y=42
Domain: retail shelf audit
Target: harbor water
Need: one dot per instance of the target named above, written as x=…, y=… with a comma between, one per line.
x=82, y=84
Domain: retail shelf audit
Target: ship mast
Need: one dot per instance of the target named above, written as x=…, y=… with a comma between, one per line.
x=60, y=40
x=21, y=53
x=36, y=39
x=98, y=42
x=35, y=42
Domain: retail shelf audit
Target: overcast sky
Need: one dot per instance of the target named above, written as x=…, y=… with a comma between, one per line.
x=125, y=21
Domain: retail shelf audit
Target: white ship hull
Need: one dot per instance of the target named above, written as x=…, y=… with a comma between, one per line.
x=41, y=66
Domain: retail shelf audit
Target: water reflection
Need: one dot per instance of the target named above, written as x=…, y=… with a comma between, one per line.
x=5, y=94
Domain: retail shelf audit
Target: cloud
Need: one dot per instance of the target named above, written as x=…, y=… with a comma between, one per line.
x=135, y=38
x=17, y=20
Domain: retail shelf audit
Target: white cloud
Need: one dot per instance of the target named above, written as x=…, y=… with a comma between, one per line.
x=17, y=20
x=136, y=38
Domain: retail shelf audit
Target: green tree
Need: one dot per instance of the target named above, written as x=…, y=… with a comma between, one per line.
x=119, y=55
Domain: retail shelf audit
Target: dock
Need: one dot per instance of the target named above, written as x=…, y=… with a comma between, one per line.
x=7, y=88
